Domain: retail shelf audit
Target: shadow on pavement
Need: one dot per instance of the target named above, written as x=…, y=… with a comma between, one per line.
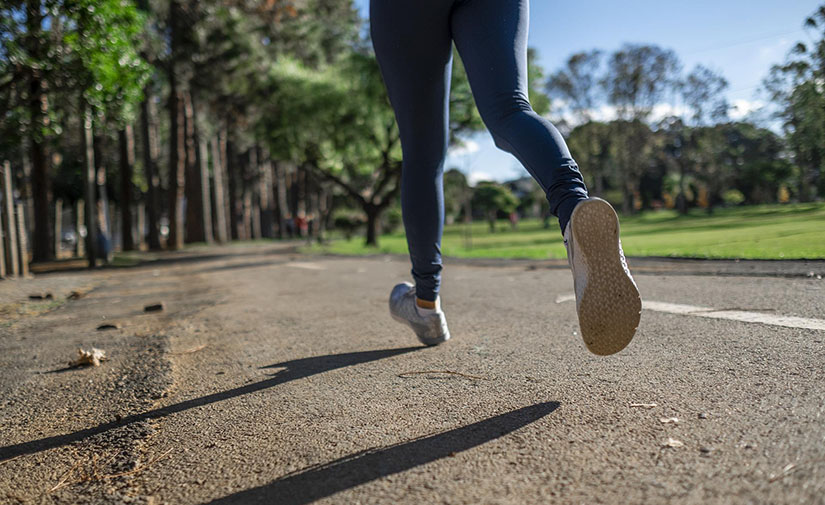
x=314, y=483
x=293, y=370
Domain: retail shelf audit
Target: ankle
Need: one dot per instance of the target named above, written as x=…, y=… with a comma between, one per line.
x=424, y=304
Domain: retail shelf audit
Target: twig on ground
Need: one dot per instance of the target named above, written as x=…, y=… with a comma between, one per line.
x=406, y=375
x=789, y=469
x=65, y=477
x=136, y=470
x=190, y=351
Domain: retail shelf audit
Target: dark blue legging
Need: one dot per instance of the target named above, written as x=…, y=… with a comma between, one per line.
x=413, y=43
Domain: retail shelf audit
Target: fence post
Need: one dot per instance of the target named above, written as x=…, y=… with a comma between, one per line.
x=2, y=253
x=22, y=242
x=58, y=226
x=141, y=226
x=9, y=226
x=80, y=220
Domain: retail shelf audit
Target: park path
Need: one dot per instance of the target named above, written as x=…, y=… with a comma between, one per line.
x=273, y=377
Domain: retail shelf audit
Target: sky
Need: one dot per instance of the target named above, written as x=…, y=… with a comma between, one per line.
x=741, y=39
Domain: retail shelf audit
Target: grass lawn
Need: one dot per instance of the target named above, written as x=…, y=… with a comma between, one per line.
x=760, y=232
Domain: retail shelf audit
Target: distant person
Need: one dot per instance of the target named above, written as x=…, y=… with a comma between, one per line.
x=513, y=220
x=413, y=43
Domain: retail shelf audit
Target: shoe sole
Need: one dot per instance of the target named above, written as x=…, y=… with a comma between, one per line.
x=431, y=342
x=611, y=307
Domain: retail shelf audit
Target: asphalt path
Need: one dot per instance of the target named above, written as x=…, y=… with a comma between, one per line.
x=273, y=377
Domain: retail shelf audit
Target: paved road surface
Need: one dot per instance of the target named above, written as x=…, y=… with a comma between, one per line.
x=278, y=378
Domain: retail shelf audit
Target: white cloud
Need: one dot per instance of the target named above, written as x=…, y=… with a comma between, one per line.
x=468, y=147
x=742, y=108
x=607, y=113
x=476, y=177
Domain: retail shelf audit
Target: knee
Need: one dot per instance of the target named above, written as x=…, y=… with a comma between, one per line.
x=501, y=119
x=498, y=112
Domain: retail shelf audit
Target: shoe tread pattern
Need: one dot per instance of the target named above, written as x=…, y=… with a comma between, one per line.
x=610, y=306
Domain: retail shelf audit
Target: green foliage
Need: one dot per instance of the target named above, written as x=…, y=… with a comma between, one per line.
x=576, y=84
x=109, y=71
x=702, y=92
x=535, y=83
x=392, y=220
x=637, y=78
x=492, y=198
x=733, y=197
x=456, y=193
x=464, y=116
x=798, y=87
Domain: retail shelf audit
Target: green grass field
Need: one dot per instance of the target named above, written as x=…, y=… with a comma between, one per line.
x=790, y=231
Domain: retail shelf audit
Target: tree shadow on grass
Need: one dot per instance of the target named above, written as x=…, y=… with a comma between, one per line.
x=293, y=370
x=321, y=481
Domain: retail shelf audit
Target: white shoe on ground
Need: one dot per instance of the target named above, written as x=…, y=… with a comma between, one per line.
x=607, y=299
x=431, y=328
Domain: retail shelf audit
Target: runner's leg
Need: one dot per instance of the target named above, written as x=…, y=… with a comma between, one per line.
x=414, y=49
x=491, y=36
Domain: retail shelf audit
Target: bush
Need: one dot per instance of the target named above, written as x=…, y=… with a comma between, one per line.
x=348, y=223
x=733, y=197
x=391, y=220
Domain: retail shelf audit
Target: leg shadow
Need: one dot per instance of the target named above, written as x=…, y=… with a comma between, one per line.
x=314, y=483
x=293, y=370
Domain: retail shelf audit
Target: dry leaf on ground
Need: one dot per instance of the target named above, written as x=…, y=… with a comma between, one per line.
x=89, y=358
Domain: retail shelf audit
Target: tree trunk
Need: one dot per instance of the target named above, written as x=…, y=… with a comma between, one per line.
x=682, y=199
x=177, y=153
x=141, y=226
x=218, y=176
x=251, y=197
x=283, y=205
x=58, y=226
x=804, y=187
x=102, y=215
x=126, y=139
x=232, y=176
x=89, y=187
x=203, y=177
x=224, y=157
x=150, y=156
x=27, y=194
x=194, y=231
x=38, y=110
x=373, y=215
x=265, y=193
x=177, y=168
x=323, y=212
x=9, y=225
x=22, y=246
x=79, y=224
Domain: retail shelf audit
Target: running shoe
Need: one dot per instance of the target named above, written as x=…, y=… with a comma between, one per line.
x=431, y=328
x=607, y=299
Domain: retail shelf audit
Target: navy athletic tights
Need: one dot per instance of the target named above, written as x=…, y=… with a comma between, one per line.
x=413, y=43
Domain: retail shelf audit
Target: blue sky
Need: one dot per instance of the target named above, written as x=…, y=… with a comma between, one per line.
x=741, y=39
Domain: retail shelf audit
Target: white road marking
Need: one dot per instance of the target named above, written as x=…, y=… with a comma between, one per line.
x=306, y=266
x=565, y=298
x=737, y=315
x=731, y=315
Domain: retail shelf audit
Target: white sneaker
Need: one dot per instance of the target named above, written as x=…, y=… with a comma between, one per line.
x=607, y=299
x=431, y=328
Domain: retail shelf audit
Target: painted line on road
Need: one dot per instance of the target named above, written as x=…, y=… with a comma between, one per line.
x=306, y=266
x=737, y=315
x=730, y=315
